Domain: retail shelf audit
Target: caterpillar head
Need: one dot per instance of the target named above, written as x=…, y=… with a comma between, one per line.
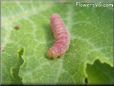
x=52, y=53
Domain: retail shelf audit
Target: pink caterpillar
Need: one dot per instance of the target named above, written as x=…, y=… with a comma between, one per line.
x=62, y=37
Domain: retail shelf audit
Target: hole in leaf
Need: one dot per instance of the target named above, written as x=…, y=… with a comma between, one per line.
x=86, y=80
x=15, y=70
x=17, y=27
x=100, y=73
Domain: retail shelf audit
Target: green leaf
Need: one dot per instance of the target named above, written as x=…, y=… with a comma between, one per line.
x=91, y=30
x=100, y=73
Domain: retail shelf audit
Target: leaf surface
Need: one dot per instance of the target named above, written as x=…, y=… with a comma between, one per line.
x=91, y=32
